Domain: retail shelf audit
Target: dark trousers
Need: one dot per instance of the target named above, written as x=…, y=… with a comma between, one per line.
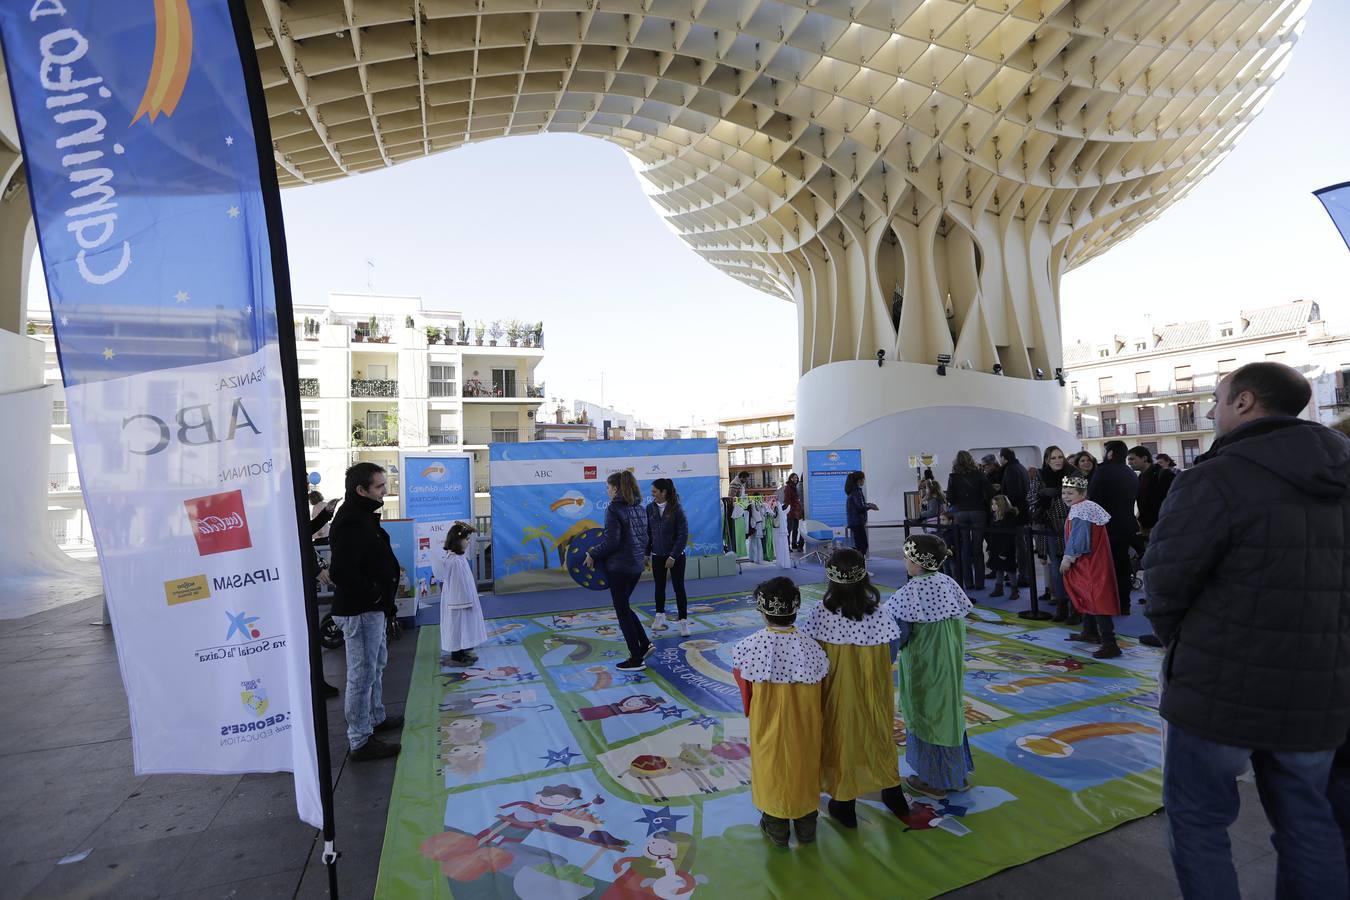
x=621, y=585
x=676, y=580
x=1201, y=796
x=971, y=524
x=1103, y=627
x=1120, y=559
x=794, y=537
x=859, y=535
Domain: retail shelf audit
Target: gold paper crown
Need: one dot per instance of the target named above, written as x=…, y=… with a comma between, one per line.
x=777, y=606
x=924, y=558
x=1078, y=482
x=845, y=576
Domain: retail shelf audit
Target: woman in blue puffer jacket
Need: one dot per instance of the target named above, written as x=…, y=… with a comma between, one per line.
x=624, y=550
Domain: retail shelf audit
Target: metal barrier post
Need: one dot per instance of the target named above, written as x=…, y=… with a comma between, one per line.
x=1035, y=613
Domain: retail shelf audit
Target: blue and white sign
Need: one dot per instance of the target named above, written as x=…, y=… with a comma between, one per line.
x=826, y=472
x=154, y=192
x=545, y=494
x=438, y=486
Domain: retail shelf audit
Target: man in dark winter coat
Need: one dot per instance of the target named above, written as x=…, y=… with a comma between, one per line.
x=1015, y=484
x=1248, y=574
x=365, y=577
x=1114, y=488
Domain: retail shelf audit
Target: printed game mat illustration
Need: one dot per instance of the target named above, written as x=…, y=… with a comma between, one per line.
x=543, y=773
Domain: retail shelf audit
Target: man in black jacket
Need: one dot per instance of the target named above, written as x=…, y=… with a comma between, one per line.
x=1248, y=574
x=364, y=571
x=1114, y=488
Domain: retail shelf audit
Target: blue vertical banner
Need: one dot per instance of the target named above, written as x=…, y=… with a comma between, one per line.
x=548, y=494
x=1336, y=200
x=159, y=227
x=826, y=472
x=403, y=541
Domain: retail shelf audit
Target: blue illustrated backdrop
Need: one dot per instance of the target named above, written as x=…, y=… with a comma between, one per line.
x=546, y=494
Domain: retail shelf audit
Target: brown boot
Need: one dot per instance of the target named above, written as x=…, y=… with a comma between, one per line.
x=1061, y=611
x=1109, y=650
x=1082, y=637
x=777, y=830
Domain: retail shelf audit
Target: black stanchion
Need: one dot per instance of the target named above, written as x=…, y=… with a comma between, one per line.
x=1035, y=613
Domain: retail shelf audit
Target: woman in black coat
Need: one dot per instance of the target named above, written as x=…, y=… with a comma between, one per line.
x=624, y=550
x=668, y=535
x=969, y=493
x=857, y=508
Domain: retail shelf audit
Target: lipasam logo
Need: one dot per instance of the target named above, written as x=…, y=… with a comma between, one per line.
x=219, y=522
x=245, y=579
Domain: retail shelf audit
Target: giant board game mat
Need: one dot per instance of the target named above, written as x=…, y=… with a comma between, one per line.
x=542, y=772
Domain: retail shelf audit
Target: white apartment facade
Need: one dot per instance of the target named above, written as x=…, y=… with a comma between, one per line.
x=373, y=382
x=1154, y=389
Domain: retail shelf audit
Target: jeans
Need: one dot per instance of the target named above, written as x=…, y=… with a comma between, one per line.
x=621, y=585
x=676, y=579
x=1201, y=797
x=367, y=653
x=971, y=524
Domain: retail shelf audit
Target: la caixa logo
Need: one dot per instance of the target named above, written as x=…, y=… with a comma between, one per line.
x=219, y=523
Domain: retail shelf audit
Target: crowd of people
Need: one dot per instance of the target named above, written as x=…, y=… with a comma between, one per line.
x=1246, y=568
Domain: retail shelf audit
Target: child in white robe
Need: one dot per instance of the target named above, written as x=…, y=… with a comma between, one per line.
x=462, y=625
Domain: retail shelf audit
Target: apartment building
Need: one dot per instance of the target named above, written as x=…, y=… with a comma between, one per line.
x=1154, y=388
x=761, y=444
x=378, y=374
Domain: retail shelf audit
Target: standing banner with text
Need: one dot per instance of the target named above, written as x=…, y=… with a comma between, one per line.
x=546, y=494
x=158, y=221
x=437, y=493
x=403, y=540
x=826, y=472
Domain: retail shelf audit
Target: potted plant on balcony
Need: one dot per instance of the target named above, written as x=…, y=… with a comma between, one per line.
x=495, y=332
x=478, y=332
x=513, y=332
x=539, y=334
x=408, y=322
x=463, y=334
x=433, y=334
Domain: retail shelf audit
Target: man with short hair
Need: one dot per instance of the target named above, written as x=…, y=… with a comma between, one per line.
x=1114, y=488
x=740, y=486
x=1248, y=573
x=1154, y=482
x=365, y=574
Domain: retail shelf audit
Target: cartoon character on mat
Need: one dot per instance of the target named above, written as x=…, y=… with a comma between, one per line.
x=462, y=749
x=556, y=809
x=661, y=871
x=700, y=764
x=633, y=705
x=580, y=648
x=496, y=673
x=494, y=702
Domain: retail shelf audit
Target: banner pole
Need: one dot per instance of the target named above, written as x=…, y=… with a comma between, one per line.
x=290, y=374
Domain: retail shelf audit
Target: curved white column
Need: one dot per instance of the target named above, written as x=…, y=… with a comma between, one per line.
x=898, y=409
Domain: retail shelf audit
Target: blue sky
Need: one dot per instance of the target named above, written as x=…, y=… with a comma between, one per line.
x=556, y=228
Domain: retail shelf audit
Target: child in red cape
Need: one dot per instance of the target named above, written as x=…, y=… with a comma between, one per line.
x=1089, y=574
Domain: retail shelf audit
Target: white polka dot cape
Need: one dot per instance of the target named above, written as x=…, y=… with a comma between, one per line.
x=782, y=657
x=929, y=598
x=832, y=628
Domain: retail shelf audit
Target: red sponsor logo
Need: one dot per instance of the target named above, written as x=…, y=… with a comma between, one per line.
x=219, y=522
x=589, y=473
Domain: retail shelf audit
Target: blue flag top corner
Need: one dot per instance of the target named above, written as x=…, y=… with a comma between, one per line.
x=148, y=189
x=1336, y=200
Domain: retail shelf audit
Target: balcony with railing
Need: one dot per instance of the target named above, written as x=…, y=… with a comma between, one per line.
x=1135, y=429
x=1341, y=397
x=309, y=387
x=375, y=387
x=60, y=414
x=363, y=436
x=442, y=438
x=63, y=482
x=1195, y=384
x=482, y=435
x=478, y=390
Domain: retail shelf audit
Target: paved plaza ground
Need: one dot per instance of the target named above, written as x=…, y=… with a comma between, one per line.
x=78, y=823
